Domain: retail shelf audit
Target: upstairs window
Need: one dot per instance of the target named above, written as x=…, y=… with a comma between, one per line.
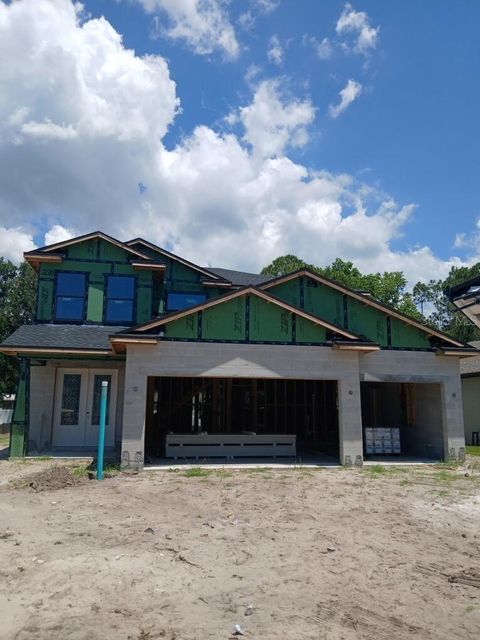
x=177, y=301
x=70, y=293
x=120, y=297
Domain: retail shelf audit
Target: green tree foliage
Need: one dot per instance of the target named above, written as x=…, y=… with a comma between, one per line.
x=17, y=307
x=387, y=287
x=438, y=308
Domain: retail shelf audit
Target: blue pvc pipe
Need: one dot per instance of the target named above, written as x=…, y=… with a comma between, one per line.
x=101, y=429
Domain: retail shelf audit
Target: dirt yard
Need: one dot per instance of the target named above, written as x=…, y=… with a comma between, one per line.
x=324, y=554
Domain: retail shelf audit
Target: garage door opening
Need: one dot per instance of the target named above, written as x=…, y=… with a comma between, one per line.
x=240, y=417
x=402, y=420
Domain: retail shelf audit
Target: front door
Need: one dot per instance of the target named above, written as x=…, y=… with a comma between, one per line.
x=77, y=407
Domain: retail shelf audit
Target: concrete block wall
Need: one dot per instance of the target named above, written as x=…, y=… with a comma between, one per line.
x=294, y=362
x=424, y=368
x=240, y=361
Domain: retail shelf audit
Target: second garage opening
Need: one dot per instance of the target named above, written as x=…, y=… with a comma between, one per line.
x=402, y=419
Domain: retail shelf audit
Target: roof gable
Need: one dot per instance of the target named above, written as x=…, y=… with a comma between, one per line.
x=206, y=273
x=235, y=296
x=54, y=251
x=368, y=301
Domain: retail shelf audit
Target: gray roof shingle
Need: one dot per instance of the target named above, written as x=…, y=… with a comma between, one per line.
x=240, y=278
x=61, y=336
x=471, y=365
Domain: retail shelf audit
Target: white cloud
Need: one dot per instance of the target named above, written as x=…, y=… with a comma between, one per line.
x=272, y=123
x=348, y=94
x=266, y=6
x=324, y=49
x=275, y=51
x=202, y=24
x=58, y=234
x=358, y=24
x=48, y=130
x=215, y=198
x=13, y=242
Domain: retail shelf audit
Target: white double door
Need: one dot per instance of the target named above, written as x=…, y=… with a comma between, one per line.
x=76, y=416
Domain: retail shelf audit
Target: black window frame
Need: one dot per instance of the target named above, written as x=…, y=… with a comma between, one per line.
x=184, y=293
x=56, y=295
x=106, y=299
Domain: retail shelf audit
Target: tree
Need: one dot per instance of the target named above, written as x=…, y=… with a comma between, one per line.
x=441, y=312
x=283, y=265
x=17, y=307
x=387, y=287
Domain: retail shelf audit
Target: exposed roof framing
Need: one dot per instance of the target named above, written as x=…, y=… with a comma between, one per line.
x=363, y=299
x=210, y=274
x=158, y=322
x=32, y=255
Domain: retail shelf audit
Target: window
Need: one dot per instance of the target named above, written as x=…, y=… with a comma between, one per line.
x=177, y=301
x=119, y=299
x=70, y=296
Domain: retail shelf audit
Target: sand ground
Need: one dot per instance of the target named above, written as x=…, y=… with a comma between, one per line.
x=324, y=554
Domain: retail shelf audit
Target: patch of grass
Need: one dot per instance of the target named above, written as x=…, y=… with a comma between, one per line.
x=224, y=473
x=405, y=483
x=80, y=472
x=112, y=469
x=196, y=472
x=473, y=451
x=4, y=440
x=257, y=470
x=375, y=468
x=43, y=458
x=445, y=476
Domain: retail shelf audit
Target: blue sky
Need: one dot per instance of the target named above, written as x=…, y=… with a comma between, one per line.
x=401, y=151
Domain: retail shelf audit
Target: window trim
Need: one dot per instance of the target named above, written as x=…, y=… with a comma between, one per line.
x=59, y=320
x=185, y=293
x=106, y=299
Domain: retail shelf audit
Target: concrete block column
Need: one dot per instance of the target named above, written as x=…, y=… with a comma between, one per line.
x=350, y=420
x=452, y=418
x=134, y=411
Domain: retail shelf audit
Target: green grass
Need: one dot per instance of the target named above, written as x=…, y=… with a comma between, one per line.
x=4, y=440
x=375, y=469
x=473, y=451
x=196, y=472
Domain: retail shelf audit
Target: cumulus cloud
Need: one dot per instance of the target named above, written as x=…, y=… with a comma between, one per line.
x=231, y=200
x=13, y=242
x=202, y=24
x=357, y=23
x=348, y=94
x=58, y=234
x=275, y=51
x=273, y=123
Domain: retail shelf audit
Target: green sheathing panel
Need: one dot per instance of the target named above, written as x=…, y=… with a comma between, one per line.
x=269, y=322
x=19, y=428
x=309, y=332
x=368, y=322
x=288, y=291
x=320, y=300
x=95, y=302
x=406, y=336
x=225, y=321
x=44, y=297
x=98, y=259
x=185, y=328
x=325, y=302
x=87, y=250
